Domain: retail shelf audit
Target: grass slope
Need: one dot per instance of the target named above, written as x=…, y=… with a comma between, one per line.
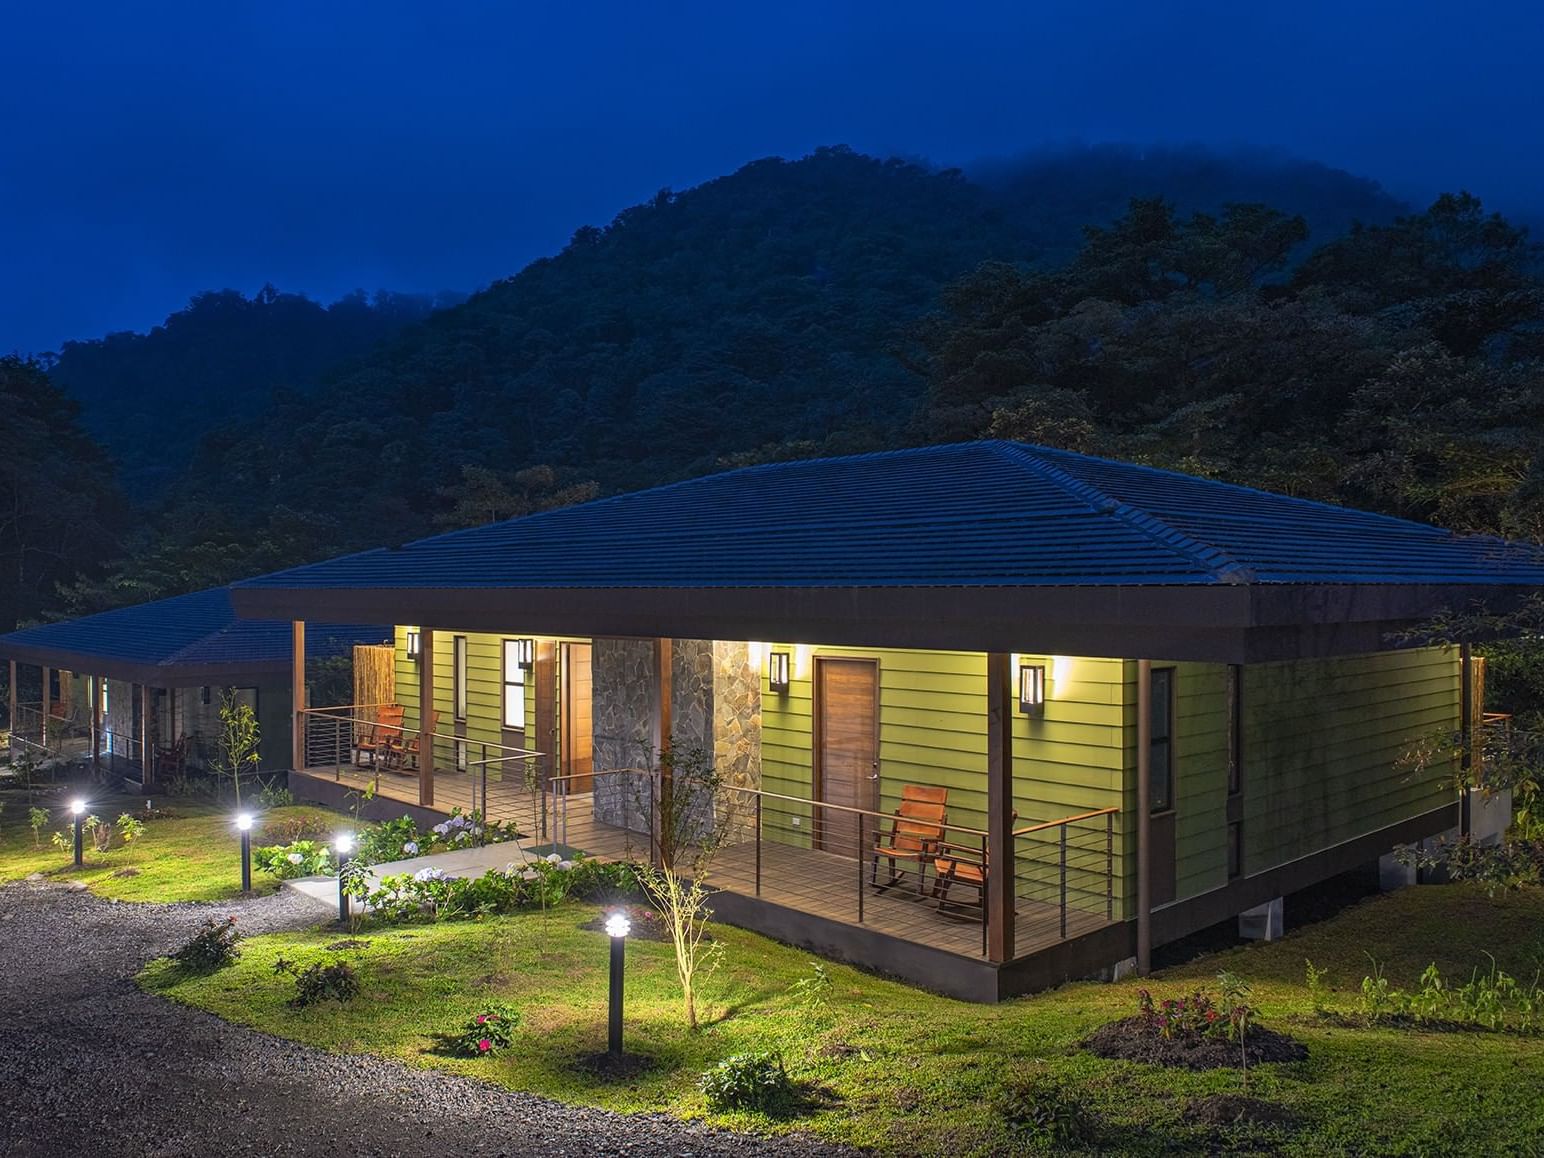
x=909, y=1072
x=192, y=855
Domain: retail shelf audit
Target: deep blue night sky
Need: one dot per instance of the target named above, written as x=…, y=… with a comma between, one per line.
x=151, y=151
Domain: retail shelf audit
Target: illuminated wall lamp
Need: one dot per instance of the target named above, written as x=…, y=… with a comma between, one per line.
x=525, y=653
x=1032, y=689
x=779, y=665
x=413, y=651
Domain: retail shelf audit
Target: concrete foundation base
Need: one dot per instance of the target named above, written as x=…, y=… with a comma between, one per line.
x=1393, y=875
x=1264, y=922
x=1489, y=816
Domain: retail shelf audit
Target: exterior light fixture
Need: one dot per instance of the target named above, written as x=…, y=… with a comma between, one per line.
x=78, y=810
x=779, y=666
x=617, y=928
x=1032, y=689
x=413, y=651
x=525, y=653
x=343, y=847
x=244, y=826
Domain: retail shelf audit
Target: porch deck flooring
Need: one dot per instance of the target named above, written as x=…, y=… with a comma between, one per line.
x=808, y=880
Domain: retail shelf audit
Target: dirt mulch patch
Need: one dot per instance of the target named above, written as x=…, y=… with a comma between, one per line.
x=613, y=1067
x=1130, y=1039
x=1237, y=1110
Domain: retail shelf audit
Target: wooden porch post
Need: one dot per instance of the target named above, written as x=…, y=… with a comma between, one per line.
x=425, y=709
x=43, y=723
x=1465, y=736
x=94, y=688
x=10, y=720
x=544, y=672
x=660, y=729
x=1144, y=816
x=298, y=694
x=146, y=747
x=1000, y=876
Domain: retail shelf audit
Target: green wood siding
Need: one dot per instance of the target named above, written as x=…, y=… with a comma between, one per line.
x=932, y=731
x=1322, y=744
x=484, y=696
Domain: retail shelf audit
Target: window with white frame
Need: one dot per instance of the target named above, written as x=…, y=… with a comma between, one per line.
x=458, y=675
x=514, y=685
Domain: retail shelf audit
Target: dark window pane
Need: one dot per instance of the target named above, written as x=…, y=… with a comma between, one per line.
x=1160, y=749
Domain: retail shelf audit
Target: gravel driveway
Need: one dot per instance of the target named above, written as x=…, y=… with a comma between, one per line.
x=90, y=1065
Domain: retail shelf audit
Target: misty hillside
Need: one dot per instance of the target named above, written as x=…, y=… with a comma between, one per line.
x=149, y=397
x=1054, y=194
x=773, y=304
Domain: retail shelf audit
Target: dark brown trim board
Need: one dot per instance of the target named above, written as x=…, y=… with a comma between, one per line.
x=1220, y=623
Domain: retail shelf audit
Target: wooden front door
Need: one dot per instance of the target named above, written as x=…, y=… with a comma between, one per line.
x=575, y=743
x=846, y=750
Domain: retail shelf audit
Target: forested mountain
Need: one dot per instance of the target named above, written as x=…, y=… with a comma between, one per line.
x=150, y=397
x=59, y=504
x=841, y=302
x=770, y=306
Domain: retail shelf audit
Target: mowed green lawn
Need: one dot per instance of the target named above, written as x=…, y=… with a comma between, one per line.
x=193, y=854
x=907, y=1072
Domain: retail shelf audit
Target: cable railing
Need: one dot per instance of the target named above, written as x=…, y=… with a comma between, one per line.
x=833, y=860
x=479, y=776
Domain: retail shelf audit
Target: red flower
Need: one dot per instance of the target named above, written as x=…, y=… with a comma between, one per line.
x=484, y=1045
x=481, y=1017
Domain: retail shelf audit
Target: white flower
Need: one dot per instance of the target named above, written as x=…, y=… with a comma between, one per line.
x=294, y=858
x=429, y=874
x=411, y=848
x=553, y=858
x=441, y=828
x=565, y=865
x=509, y=869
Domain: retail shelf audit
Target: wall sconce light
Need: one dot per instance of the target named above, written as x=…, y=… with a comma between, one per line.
x=412, y=645
x=778, y=668
x=525, y=653
x=1032, y=689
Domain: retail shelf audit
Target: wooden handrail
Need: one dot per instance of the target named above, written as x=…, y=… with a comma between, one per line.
x=1064, y=820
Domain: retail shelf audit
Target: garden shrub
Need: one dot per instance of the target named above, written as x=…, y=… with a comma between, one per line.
x=388, y=841
x=288, y=829
x=212, y=947
x=1194, y=1017
x=335, y=981
x=1039, y=1110
x=300, y=858
x=541, y=883
x=488, y=1031
x=1493, y=1000
x=750, y=1081
x=1195, y=1031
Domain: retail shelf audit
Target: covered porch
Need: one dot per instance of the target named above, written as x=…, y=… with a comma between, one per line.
x=823, y=860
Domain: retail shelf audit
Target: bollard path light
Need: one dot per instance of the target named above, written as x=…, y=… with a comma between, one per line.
x=244, y=826
x=78, y=810
x=617, y=928
x=343, y=846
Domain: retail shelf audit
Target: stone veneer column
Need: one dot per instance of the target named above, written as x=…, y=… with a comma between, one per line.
x=620, y=723
x=715, y=707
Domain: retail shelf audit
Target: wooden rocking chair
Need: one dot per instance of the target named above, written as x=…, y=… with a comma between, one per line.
x=915, y=835
x=371, y=747
x=401, y=751
x=964, y=865
x=170, y=760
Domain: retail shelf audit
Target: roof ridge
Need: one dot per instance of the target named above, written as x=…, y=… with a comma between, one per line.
x=1218, y=563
